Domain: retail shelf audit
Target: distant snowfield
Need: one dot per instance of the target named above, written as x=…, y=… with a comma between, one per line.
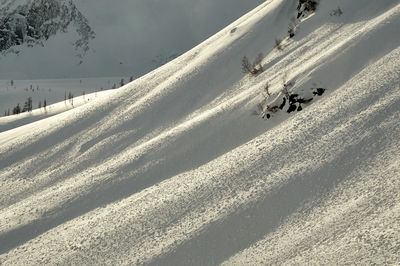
x=53, y=91
x=175, y=168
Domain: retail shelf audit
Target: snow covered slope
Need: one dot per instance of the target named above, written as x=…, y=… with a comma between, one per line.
x=175, y=168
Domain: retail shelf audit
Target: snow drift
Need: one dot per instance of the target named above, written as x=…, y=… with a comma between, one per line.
x=175, y=168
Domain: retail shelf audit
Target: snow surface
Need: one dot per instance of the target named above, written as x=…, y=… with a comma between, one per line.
x=175, y=168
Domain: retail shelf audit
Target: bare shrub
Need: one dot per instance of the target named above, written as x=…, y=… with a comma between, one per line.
x=253, y=68
x=284, y=79
x=257, y=64
x=286, y=86
x=246, y=66
x=337, y=12
x=292, y=27
x=278, y=44
x=261, y=111
x=266, y=91
x=291, y=32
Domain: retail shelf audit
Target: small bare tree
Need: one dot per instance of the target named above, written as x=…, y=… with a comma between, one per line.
x=337, y=12
x=257, y=64
x=284, y=79
x=292, y=27
x=278, y=44
x=246, y=66
x=286, y=86
x=266, y=91
x=262, y=111
x=253, y=68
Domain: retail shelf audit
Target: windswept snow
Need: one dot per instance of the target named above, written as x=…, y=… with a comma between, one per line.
x=175, y=168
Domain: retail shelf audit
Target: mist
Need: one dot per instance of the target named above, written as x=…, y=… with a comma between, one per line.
x=132, y=38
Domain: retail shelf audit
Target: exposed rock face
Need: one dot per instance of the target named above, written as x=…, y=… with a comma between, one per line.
x=32, y=22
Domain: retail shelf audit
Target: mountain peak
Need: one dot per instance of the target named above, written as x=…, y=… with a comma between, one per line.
x=30, y=23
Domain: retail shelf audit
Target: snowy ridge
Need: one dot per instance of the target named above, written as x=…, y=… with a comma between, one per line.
x=174, y=168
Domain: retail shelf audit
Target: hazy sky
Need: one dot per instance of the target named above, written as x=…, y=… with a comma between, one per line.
x=129, y=35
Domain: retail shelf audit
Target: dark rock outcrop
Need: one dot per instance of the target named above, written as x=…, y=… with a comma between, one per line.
x=306, y=7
